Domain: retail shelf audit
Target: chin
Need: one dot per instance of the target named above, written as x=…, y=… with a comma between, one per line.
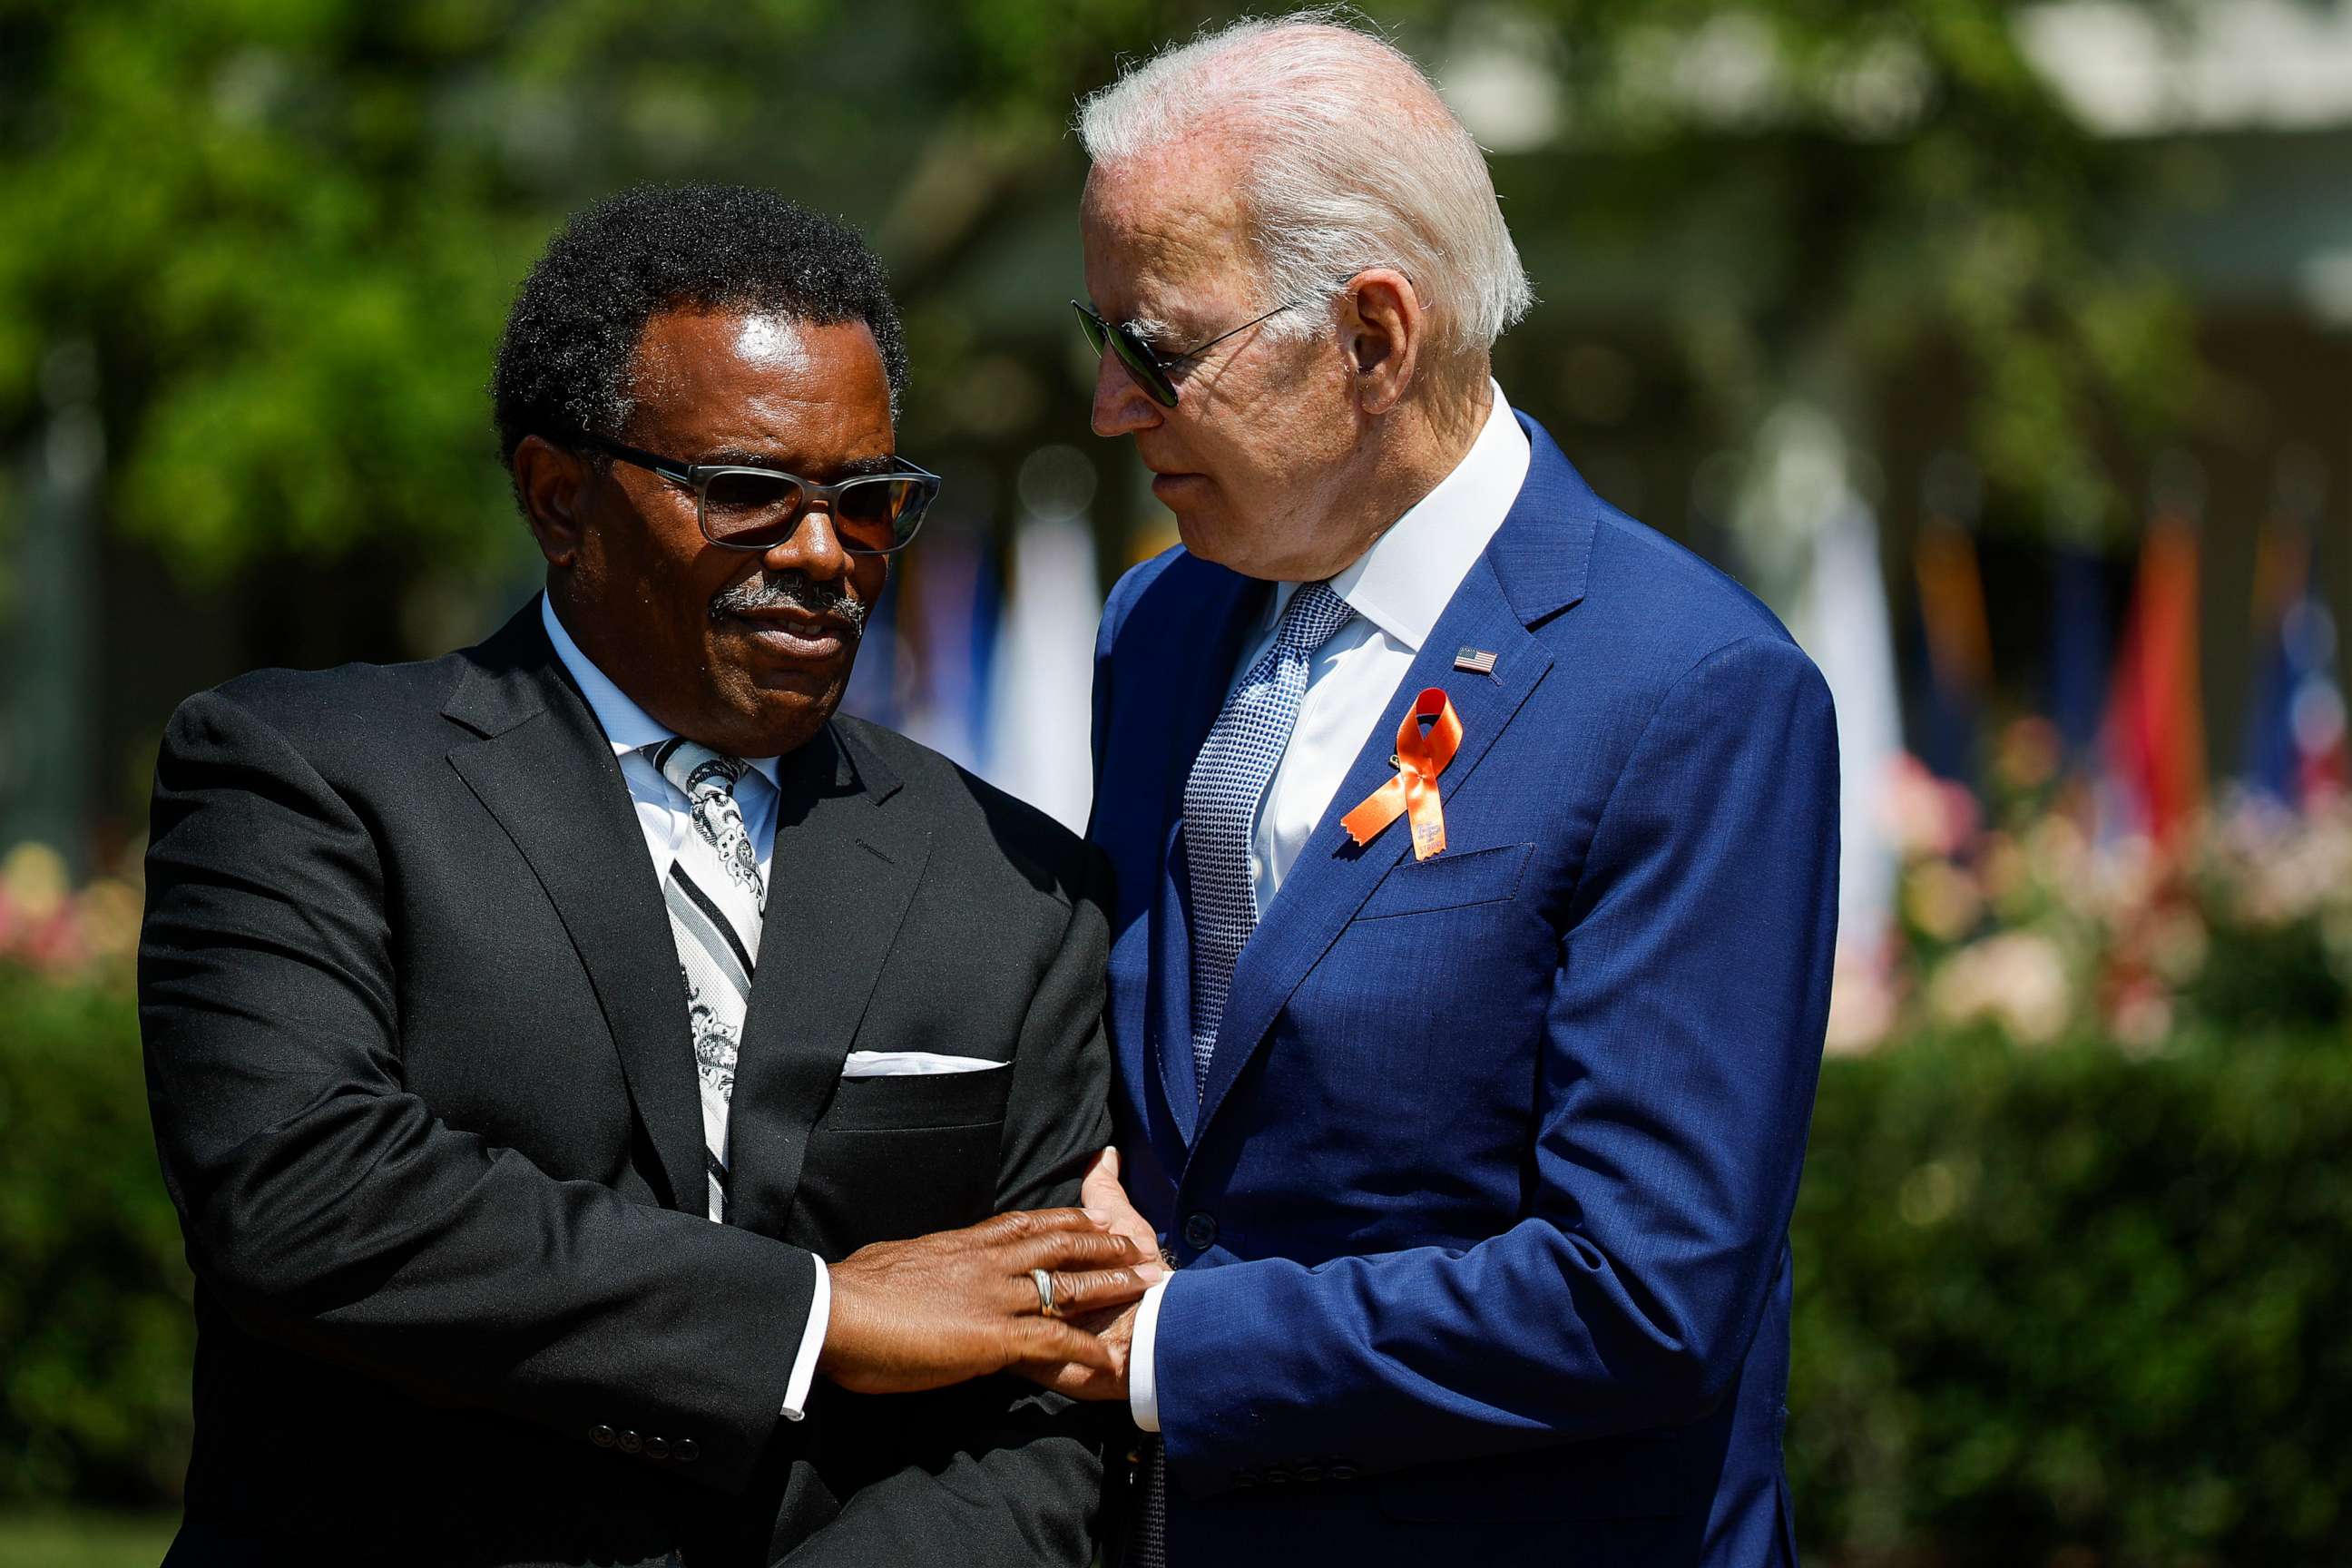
x=1208, y=536
x=769, y=713
x=1219, y=542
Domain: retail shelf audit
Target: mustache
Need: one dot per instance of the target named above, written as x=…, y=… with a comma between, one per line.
x=791, y=590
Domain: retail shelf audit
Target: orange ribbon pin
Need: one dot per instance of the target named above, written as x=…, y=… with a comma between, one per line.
x=1421, y=756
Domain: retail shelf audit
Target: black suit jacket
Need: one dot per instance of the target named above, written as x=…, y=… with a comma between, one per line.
x=418, y=1063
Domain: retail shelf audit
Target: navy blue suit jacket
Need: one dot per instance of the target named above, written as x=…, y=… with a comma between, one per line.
x=1482, y=1218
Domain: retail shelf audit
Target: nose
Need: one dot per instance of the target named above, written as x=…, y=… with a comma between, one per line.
x=1121, y=407
x=813, y=548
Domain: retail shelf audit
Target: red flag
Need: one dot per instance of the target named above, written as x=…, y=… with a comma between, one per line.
x=2156, y=721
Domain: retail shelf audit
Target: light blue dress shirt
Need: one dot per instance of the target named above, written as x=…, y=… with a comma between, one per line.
x=665, y=816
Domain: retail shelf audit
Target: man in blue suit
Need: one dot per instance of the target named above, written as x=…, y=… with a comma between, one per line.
x=1476, y=856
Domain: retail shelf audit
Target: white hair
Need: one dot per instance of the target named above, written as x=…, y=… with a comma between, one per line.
x=1352, y=162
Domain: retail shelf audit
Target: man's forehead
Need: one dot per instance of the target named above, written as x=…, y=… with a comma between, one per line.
x=762, y=384
x=1168, y=221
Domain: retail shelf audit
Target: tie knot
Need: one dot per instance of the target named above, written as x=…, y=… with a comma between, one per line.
x=697, y=770
x=1314, y=614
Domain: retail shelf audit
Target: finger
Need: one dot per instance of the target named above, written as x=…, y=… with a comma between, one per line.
x=1020, y=1224
x=1075, y=1381
x=1042, y=1341
x=1107, y=1202
x=1099, y=1322
x=1089, y=1248
x=1095, y=1288
x=1099, y=1188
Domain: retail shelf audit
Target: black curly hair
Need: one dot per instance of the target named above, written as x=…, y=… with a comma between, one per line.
x=563, y=364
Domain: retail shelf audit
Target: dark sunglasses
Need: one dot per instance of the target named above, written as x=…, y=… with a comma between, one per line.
x=759, y=509
x=1153, y=371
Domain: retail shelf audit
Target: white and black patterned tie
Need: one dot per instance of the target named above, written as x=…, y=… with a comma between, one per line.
x=716, y=901
x=1221, y=797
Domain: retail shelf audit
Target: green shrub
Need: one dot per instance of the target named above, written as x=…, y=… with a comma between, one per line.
x=2068, y=1308
x=94, y=1293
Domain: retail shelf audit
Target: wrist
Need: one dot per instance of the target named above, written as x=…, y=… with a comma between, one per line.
x=838, y=1352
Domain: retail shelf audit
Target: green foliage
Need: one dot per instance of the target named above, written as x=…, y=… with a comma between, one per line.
x=2065, y=1307
x=85, y=1541
x=94, y=1294
x=1878, y=180
x=289, y=228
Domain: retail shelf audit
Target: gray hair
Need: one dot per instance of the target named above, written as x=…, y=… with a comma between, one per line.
x=1345, y=172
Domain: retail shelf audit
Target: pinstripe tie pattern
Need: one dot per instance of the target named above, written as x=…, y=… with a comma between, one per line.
x=1221, y=798
x=715, y=899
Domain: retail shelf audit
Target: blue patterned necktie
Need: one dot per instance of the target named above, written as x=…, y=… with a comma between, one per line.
x=716, y=903
x=1220, y=799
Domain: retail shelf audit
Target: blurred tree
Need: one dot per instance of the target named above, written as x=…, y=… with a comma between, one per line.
x=1802, y=181
x=288, y=229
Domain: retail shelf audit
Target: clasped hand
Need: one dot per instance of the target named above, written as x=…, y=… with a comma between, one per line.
x=958, y=1304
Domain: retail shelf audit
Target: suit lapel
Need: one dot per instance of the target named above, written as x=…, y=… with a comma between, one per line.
x=545, y=772
x=843, y=873
x=1535, y=566
x=1332, y=877
x=1233, y=607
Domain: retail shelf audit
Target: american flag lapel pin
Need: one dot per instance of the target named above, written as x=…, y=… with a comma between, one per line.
x=1475, y=660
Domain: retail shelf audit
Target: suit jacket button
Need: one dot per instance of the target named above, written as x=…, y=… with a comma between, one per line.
x=1308, y=1474
x=656, y=1447
x=601, y=1435
x=1344, y=1472
x=1201, y=1231
x=631, y=1443
x=1276, y=1476
x=685, y=1451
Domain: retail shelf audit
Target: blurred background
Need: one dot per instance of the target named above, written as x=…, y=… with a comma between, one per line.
x=2005, y=350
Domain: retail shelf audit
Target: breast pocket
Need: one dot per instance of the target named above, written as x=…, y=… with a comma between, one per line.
x=903, y=1156
x=1449, y=881
x=911, y=1101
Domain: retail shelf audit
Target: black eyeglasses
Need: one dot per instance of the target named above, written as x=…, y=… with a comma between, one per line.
x=757, y=508
x=1153, y=371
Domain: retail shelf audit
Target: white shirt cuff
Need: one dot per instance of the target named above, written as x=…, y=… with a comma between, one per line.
x=820, y=1315
x=1143, y=1387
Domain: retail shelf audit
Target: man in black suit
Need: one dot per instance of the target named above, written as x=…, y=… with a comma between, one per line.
x=474, y=990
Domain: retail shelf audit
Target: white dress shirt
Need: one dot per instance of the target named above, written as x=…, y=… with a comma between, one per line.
x=1397, y=589
x=665, y=816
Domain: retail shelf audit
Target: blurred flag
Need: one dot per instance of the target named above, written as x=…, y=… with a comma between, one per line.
x=2079, y=648
x=1952, y=621
x=1040, y=707
x=1809, y=544
x=2156, y=727
x=947, y=615
x=1846, y=632
x=2294, y=741
x=873, y=692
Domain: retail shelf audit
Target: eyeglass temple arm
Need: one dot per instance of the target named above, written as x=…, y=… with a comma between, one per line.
x=667, y=468
x=1197, y=351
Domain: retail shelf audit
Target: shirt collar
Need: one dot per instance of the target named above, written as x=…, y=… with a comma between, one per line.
x=1402, y=583
x=628, y=727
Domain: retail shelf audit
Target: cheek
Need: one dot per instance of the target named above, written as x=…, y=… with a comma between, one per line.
x=1285, y=442
x=868, y=577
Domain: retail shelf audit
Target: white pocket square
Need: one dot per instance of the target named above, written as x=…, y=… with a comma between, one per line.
x=905, y=1063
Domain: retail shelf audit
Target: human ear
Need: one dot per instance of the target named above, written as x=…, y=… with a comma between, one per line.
x=554, y=485
x=1384, y=327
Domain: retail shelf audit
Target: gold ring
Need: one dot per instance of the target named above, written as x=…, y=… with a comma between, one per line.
x=1044, y=1283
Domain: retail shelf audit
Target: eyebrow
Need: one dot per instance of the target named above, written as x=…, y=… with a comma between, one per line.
x=855, y=467
x=1150, y=328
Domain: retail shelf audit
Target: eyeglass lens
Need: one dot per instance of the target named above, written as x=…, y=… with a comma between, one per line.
x=1140, y=361
x=758, y=511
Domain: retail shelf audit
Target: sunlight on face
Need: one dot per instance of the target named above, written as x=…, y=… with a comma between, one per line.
x=1253, y=460
x=772, y=342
